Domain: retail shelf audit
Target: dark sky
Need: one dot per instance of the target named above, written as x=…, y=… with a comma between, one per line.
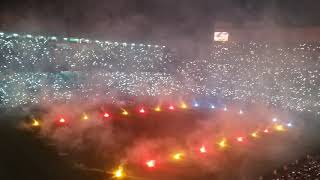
x=150, y=20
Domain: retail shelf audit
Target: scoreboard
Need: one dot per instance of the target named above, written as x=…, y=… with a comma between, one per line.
x=221, y=36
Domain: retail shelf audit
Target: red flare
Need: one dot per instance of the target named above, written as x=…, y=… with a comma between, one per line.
x=62, y=121
x=142, y=110
x=151, y=163
x=203, y=149
x=106, y=115
x=240, y=139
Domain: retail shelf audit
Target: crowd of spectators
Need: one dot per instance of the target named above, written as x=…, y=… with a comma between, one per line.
x=303, y=169
x=37, y=68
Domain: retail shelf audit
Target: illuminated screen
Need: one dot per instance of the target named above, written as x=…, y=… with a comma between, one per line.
x=221, y=36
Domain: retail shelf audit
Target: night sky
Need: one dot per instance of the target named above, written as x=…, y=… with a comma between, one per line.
x=149, y=20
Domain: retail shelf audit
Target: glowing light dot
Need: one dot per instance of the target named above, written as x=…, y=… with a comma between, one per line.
x=289, y=124
x=266, y=131
x=223, y=143
x=184, y=106
x=171, y=107
x=151, y=163
x=274, y=119
x=212, y=107
x=254, y=134
x=62, y=120
x=119, y=173
x=142, y=110
x=85, y=117
x=240, y=112
x=203, y=149
x=240, y=139
x=106, y=115
x=125, y=113
x=178, y=156
x=279, y=128
x=225, y=109
x=196, y=105
x=157, y=109
x=35, y=123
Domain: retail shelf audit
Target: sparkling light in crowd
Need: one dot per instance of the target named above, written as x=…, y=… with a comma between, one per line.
x=32, y=72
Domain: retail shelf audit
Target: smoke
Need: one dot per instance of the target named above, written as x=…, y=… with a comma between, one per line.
x=133, y=140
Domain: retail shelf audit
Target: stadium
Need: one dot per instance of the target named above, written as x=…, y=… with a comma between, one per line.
x=89, y=108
